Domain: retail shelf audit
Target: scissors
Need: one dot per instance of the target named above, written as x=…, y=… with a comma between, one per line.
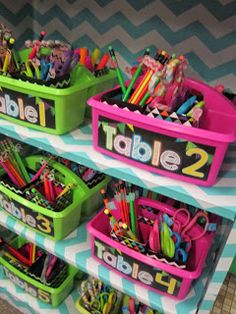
x=180, y=252
x=70, y=61
x=183, y=227
x=103, y=303
x=31, y=70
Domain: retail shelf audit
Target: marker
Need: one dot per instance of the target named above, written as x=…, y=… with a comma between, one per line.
x=118, y=71
x=187, y=105
x=105, y=58
x=95, y=56
x=82, y=53
x=200, y=104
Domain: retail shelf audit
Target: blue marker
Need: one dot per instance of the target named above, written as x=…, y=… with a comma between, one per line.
x=187, y=105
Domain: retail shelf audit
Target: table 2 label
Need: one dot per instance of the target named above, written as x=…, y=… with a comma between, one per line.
x=160, y=151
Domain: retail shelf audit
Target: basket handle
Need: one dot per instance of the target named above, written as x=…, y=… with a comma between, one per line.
x=163, y=207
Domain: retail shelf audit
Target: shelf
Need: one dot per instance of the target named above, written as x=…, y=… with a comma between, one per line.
x=77, y=146
x=75, y=249
x=9, y=291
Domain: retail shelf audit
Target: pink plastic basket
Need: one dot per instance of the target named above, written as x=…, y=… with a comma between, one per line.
x=153, y=274
x=186, y=153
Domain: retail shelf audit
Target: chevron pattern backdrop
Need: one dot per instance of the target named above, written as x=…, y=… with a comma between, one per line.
x=203, y=30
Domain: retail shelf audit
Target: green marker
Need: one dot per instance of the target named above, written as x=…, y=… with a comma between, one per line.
x=118, y=71
x=200, y=104
x=134, y=78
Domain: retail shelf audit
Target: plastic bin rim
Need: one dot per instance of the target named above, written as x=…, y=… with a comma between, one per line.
x=180, y=272
x=46, y=91
x=36, y=283
x=95, y=102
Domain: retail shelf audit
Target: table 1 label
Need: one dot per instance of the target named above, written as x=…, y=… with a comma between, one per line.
x=34, y=110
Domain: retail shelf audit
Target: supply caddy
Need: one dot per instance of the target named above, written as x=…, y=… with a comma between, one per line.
x=52, y=221
x=95, y=296
x=135, y=260
x=182, y=152
x=53, y=293
x=49, y=109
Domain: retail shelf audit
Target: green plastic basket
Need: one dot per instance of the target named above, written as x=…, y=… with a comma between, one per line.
x=56, y=225
x=53, y=296
x=49, y=109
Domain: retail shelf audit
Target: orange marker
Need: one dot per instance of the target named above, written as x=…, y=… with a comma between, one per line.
x=105, y=58
x=83, y=53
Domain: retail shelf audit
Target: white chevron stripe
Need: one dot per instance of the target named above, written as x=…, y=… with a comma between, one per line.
x=15, y=6
x=229, y=81
x=232, y=237
x=142, y=293
x=197, y=13
x=192, y=44
x=224, y=264
x=74, y=249
x=69, y=301
x=15, y=304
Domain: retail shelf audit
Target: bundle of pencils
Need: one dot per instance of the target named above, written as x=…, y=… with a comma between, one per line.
x=124, y=197
x=12, y=163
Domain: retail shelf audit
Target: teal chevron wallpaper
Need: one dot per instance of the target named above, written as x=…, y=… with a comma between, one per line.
x=204, y=30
